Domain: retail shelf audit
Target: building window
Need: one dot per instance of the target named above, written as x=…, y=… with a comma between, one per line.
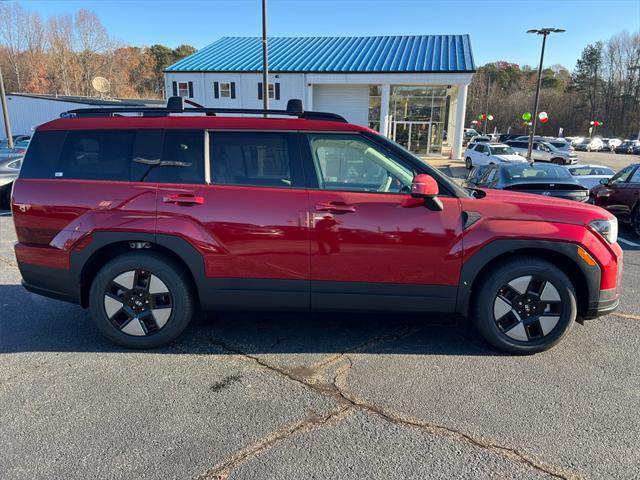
x=375, y=96
x=274, y=91
x=182, y=89
x=225, y=90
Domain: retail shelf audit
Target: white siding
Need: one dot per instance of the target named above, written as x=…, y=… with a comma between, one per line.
x=350, y=101
x=25, y=113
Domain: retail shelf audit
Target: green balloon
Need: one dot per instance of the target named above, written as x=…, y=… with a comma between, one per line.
x=526, y=116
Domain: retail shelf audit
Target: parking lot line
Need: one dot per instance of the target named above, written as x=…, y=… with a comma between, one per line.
x=628, y=242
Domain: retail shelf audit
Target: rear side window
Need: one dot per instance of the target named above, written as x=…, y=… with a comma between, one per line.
x=248, y=158
x=182, y=157
x=96, y=155
x=43, y=154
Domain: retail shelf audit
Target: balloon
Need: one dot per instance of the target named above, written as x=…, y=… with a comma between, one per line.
x=526, y=116
x=592, y=122
x=542, y=115
x=544, y=120
x=490, y=117
x=480, y=117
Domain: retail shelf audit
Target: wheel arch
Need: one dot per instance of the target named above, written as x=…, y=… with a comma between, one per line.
x=585, y=279
x=105, y=246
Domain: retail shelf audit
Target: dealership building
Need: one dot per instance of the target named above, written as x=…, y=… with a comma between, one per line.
x=412, y=89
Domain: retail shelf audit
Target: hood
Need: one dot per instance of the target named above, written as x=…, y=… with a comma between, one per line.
x=511, y=158
x=524, y=206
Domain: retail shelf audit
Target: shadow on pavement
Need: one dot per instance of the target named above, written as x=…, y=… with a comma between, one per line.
x=29, y=323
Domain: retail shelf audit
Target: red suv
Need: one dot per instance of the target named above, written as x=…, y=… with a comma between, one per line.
x=144, y=218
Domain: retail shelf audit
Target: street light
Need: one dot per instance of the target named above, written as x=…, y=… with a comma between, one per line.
x=544, y=32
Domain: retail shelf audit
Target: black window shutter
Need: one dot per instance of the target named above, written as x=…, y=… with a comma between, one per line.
x=175, y=88
x=259, y=90
x=216, y=90
x=233, y=89
x=277, y=87
x=190, y=89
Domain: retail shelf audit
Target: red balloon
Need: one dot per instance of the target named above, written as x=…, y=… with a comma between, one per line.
x=596, y=123
x=544, y=120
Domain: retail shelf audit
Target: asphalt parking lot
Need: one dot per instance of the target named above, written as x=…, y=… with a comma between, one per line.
x=268, y=395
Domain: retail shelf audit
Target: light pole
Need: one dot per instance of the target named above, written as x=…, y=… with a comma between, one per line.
x=544, y=32
x=265, y=60
x=5, y=113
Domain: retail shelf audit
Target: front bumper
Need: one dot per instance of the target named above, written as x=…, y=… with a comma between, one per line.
x=606, y=303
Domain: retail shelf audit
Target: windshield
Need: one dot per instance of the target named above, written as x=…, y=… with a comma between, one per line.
x=502, y=150
x=513, y=172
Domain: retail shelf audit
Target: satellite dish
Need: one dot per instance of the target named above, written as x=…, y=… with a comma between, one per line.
x=100, y=84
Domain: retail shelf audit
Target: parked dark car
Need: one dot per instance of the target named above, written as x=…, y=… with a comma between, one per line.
x=636, y=150
x=475, y=175
x=621, y=195
x=627, y=146
x=539, y=178
x=503, y=137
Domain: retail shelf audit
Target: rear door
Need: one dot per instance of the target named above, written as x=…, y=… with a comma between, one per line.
x=245, y=208
x=372, y=246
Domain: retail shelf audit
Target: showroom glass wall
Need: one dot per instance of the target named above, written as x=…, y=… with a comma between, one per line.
x=418, y=116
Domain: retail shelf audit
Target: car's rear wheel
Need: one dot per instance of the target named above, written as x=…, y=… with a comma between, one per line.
x=524, y=305
x=558, y=161
x=141, y=300
x=468, y=163
x=5, y=196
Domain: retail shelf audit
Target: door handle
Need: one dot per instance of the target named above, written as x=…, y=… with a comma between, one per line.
x=183, y=199
x=335, y=207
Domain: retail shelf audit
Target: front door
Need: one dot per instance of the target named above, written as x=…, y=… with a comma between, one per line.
x=613, y=196
x=372, y=246
x=414, y=136
x=249, y=222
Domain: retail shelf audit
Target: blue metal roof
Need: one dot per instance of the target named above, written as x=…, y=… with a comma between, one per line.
x=412, y=53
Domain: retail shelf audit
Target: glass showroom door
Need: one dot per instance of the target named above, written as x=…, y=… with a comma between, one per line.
x=414, y=136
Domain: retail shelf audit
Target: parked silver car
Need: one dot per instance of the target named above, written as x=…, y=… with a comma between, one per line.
x=9, y=170
x=544, y=152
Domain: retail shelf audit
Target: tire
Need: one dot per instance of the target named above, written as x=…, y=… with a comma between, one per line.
x=635, y=220
x=507, y=305
x=468, y=163
x=152, y=280
x=5, y=197
x=557, y=161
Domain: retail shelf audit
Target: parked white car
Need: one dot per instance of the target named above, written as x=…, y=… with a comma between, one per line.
x=590, y=175
x=478, y=154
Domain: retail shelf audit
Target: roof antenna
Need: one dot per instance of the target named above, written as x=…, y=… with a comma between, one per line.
x=295, y=106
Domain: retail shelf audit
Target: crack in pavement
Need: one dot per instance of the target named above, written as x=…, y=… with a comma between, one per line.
x=337, y=389
x=312, y=422
x=628, y=316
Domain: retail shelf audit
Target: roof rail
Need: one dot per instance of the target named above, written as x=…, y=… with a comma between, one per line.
x=176, y=105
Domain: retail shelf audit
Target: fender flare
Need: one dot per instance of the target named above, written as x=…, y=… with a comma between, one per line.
x=490, y=252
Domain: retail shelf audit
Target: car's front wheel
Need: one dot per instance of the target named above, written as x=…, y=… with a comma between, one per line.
x=524, y=305
x=558, y=161
x=141, y=300
x=468, y=163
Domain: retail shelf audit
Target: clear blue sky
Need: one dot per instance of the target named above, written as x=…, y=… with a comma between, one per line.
x=496, y=26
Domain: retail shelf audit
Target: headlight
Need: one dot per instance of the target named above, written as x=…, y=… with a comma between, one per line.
x=607, y=228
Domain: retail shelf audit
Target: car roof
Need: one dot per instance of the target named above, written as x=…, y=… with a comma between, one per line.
x=589, y=165
x=198, y=122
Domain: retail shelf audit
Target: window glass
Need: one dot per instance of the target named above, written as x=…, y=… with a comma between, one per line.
x=96, y=155
x=248, y=158
x=147, y=153
x=182, y=157
x=480, y=148
x=350, y=162
x=225, y=90
x=525, y=170
x=623, y=175
x=636, y=177
x=183, y=89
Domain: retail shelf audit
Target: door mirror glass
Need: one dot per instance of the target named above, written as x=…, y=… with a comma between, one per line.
x=604, y=181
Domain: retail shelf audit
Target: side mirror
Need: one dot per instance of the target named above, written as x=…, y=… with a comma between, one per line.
x=488, y=154
x=424, y=186
x=604, y=181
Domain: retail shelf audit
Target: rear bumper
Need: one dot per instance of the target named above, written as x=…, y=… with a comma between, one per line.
x=49, y=282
